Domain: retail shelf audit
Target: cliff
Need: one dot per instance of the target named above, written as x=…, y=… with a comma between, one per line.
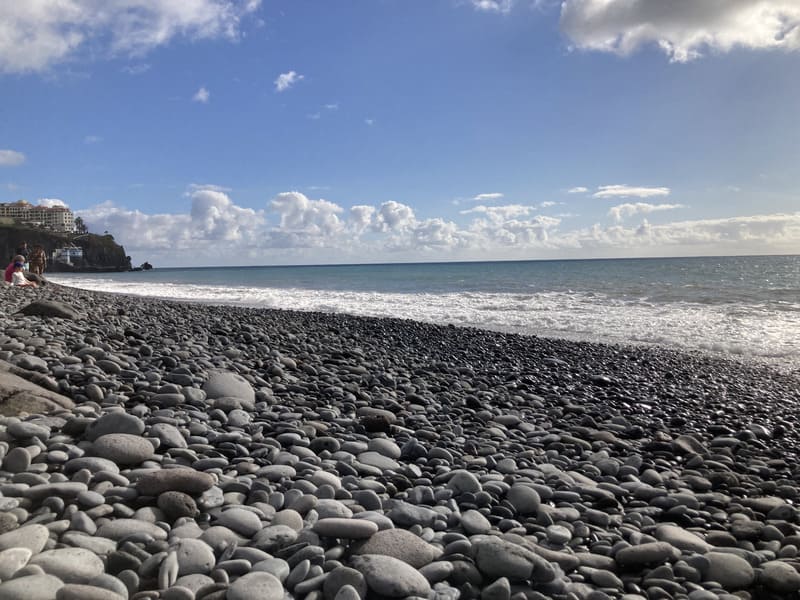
x=100, y=252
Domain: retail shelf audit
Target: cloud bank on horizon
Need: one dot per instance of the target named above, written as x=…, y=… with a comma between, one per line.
x=216, y=231
x=590, y=214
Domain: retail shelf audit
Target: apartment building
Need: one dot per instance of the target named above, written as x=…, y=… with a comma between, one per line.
x=54, y=218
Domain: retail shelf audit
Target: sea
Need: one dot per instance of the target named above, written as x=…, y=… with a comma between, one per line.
x=745, y=307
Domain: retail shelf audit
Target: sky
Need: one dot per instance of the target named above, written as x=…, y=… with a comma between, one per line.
x=250, y=132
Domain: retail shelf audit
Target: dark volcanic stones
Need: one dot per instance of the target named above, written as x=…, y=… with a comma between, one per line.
x=207, y=452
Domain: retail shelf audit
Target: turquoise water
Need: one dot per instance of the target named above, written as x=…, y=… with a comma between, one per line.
x=747, y=306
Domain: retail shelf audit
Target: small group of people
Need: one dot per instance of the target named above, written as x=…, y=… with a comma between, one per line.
x=34, y=261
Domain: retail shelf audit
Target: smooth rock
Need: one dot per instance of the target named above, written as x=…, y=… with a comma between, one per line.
x=731, y=571
x=70, y=565
x=123, y=448
x=31, y=587
x=258, y=584
x=32, y=537
x=400, y=544
x=185, y=480
x=391, y=577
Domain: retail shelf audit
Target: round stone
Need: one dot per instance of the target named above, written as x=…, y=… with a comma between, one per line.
x=731, y=571
x=391, y=577
x=31, y=587
x=123, y=448
x=400, y=544
x=74, y=591
x=352, y=529
x=497, y=557
x=70, y=565
x=258, y=584
x=12, y=560
x=243, y=522
x=115, y=422
x=32, y=537
x=194, y=556
x=121, y=528
x=177, y=504
x=225, y=383
x=779, y=577
x=17, y=460
x=473, y=522
x=524, y=498
x=181, y=479
x=652, y=553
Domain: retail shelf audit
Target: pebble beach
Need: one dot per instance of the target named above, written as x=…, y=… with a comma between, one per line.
x=211, y=452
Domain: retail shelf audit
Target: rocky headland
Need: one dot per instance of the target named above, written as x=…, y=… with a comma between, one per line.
x=163, y=450
x=100, y=252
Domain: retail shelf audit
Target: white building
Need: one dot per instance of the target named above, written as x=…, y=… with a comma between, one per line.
x=54, y=218
x=67, y=254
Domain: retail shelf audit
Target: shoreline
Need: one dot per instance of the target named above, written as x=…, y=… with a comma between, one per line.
x=316, y=451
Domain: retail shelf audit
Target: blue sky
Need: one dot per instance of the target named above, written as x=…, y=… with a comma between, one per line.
x=278, y=132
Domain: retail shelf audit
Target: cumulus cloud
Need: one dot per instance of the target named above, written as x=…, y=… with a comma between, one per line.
x=311, y=218
x=291, y=227
x=683, y=30
x=202, y=95
x=488, y=197
x=51, y=202
x=214, y=216
x=284, y=81
x=577, y=190
x=622, y=211
x=11, y=158
x=393, y=216
x=627, y=191
x=37, y=34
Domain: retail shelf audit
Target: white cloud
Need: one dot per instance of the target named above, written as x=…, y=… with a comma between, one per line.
x=682, y=30
x=393, y=216
x=361, y=217
x=51, y=202
x=37, y=34
x=578, y=190
x=488, y=197
x=627, y=191
x=498, y=6
x=369, y=122
x=286, y=80
x=11, y=158
x=214, y=216
x=202, y=95
x=92, y=139
x=501, y=213
x=622, y=211
x=546, y=204
x=300, y=215
x=293, y=228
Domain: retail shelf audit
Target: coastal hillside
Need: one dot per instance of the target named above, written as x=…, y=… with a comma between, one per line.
x=100, y=252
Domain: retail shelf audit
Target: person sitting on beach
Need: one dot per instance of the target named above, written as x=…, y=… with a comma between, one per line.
x=37, y=259
x=22, y=250
x=18, y=277
x=10, y=268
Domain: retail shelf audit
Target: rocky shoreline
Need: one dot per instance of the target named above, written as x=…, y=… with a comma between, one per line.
x=201, y=452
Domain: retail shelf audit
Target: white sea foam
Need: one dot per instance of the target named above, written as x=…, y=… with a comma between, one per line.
x=733, y=329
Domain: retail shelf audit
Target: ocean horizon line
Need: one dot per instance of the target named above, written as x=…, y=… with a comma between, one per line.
x=479, y=262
